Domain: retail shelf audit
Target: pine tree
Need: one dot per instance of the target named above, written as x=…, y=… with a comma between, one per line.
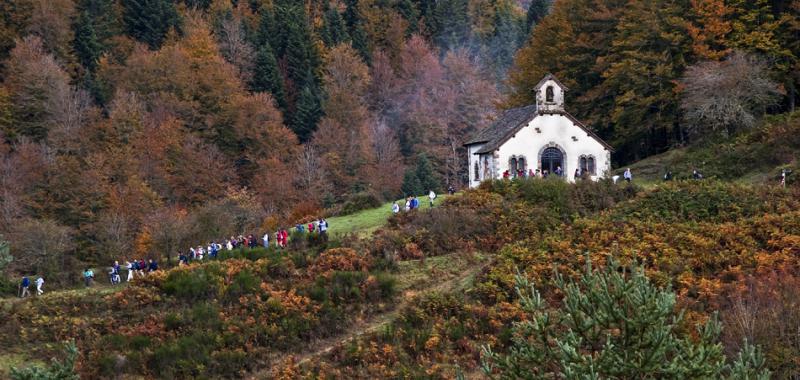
x=356, y=31
x=308, y=111
x=411, y=184
x=149, y=21
x=428, y=178
x=613, y=325
x=409, y=11
x=504, y=40
x=536, y=12
x=87, y=47
x=267, y=77
x=334, y=30
x=451, y=23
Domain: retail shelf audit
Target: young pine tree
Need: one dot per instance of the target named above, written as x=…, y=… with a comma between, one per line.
x=428, y=178
x=613, y=325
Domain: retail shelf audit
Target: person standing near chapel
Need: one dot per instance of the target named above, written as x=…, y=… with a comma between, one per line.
x=627, y=175
x=26, y=282
x=432, y=197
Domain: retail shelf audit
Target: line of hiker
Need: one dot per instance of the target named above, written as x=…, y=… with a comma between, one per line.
x=412, y=202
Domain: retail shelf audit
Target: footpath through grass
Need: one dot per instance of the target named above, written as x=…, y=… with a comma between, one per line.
x=365, y=222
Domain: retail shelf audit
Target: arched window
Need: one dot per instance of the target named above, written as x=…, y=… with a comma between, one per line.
x=521, y=165
x=548, y=94
x=587, y=165
x=477, y=169
x=512, y=166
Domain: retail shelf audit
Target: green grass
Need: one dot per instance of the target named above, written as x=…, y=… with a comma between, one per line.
x=365, y=222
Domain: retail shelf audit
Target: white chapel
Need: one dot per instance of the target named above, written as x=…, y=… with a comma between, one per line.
x=542, y=139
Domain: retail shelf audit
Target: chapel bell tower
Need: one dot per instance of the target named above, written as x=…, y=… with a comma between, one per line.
x=550, y=95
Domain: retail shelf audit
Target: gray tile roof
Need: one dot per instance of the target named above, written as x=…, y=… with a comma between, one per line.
x=497, y=133
x=510, y=122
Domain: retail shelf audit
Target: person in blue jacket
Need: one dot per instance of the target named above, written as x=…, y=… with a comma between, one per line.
x=24, y=285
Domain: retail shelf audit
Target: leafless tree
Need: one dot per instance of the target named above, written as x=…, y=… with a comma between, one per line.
x=72, y=110
x=115, y=234
x=728, y=95
x=312, y=177
x=41, y=246
x=234, y=47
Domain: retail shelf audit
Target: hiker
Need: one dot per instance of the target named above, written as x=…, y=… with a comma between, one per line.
x=577, y=174
x=506, y=174
x=559, y=172
x=627, y=175
x=696, y=174
x=213, y=249
x=152, y=267
x=323, y=229
x=414, y=203
x=113, y=274
x=129, y=266
x=408, y=203
x=432, y=197
x=39, y=284
x=182, y=259
x=26, y=282
x=299, y=228
x=395, y=208
x=88, y=277
x=142, y=267
x=668, y=175
x=311, y=226
x=451, y=190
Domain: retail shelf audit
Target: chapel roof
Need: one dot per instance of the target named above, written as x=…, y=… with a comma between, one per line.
x=547, y=78
x=510, y=122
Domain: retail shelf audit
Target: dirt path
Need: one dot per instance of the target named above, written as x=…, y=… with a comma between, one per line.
x=372, y=324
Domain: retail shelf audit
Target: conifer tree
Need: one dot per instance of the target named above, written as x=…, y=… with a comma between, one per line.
x=266, y=76
x=87, y=46
x=409, y=11
x=504, y=40
x=334, y=30
x=451, y=23
x=536, y=12
x=613, y=325
x=308, y=111
x=411, y=184
x=356, y=31
x=428, y=178
x=149, y=21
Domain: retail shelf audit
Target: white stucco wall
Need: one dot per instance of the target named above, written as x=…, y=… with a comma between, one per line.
x=558, y=130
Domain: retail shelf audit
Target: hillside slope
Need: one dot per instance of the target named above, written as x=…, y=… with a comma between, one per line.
x=756, y=156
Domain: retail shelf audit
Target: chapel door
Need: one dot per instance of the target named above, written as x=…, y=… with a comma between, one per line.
x=552, y=158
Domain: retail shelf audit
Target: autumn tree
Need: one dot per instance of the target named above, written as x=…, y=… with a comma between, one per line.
x=727, y=96
x=41, y=246
x=34, y=81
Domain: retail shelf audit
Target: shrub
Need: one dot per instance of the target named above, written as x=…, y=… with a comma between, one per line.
x=360, y=201
x=244, y=282
x=339, y=259
x=57, y=370
x=194, y=283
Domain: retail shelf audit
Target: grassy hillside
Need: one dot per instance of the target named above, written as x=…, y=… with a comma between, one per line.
x=756, y=156
x=365, y=222
x=420, y=296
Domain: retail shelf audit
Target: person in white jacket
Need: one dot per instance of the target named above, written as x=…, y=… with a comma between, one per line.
x=39, y=284
x=432, y=197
